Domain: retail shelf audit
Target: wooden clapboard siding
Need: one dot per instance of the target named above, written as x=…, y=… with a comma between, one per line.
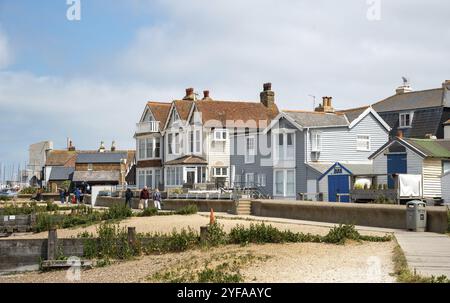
x=339, y=143
x=445, y=184
x=413, y=163
x=432, y=173
x=380, y=167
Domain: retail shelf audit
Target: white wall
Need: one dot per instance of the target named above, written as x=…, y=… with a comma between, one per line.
x=445, y=183
x=414, y=163
x=380, y=167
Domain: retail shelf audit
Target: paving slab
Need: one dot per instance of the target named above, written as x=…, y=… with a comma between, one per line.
x=426, y=253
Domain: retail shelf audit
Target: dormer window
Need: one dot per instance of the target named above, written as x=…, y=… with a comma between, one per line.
x=175, y=116
x=405, y=119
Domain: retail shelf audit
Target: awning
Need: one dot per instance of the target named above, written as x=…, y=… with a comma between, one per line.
x=188, y=160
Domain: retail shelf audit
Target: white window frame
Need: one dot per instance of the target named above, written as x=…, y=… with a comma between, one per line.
x=90, y=167
x=285, y=183
x=143, y=148
x=220, y=134
x=402, y=119
x=316, y=141
x=249, y=179
x=284, y=152
x=174, y=176
x=250, y=153
x=219, y=172
x=261, y=179
x=366, y=141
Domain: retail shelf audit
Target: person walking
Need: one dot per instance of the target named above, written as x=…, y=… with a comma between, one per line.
x=66, y=195
x=157, y=199
x=145, y=195
x=128, y=197
x=77, y=194
x=62, y=195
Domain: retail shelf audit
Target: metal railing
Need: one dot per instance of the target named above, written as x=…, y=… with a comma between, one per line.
x=147, y=127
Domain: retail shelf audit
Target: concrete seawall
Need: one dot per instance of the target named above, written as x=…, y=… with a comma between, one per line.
x=376, y=215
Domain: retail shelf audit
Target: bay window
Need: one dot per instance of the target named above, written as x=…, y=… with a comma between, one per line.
x=148, y=177
x=285, y=146
x=174, y=176
x=284, y=182
x=148, y=148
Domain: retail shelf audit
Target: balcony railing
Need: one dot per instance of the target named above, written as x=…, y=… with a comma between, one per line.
x=147, y=127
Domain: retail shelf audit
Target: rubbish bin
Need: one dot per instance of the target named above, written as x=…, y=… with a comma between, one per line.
x=416, y=216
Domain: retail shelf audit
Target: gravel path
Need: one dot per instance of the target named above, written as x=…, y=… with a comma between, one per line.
x=298, y=262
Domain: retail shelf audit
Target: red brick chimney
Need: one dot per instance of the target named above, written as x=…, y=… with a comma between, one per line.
x=189, y=94
x=206, y=96
x=267, y=96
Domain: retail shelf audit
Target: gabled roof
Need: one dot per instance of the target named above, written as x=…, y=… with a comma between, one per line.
x=317, y=119
x=160, y=111
x=354, y=169
x=183, y=108
x=239, y=112
x=353, y=113
x=61, y=158
x=101, y=157
x=61, y=173
x=411, y=101
x=425, y=148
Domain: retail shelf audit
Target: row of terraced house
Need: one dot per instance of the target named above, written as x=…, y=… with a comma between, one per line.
x=203, y=143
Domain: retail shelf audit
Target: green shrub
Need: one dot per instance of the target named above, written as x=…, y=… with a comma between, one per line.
x=45, y=222
x=216, y=235
x=220, y=274
x=173, y=242
x=51, y=206
x=28, y=191
x=5, y=199
x=187, y=210
x=339, y=234
x=149, y=212
x=117, y=211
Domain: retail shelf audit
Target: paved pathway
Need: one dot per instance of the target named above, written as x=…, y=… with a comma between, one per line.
x=427, y=253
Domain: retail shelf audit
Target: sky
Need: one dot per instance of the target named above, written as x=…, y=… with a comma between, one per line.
x=89, y=79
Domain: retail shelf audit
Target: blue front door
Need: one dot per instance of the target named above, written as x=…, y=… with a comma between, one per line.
x=338, y=184
x=396, y=165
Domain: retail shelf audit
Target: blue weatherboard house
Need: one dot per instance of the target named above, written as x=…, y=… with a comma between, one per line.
x=318, y=154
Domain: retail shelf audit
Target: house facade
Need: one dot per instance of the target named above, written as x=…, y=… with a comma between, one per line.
x=429, y=158
x=317, y=153
x=413, y=114
x=197, y=139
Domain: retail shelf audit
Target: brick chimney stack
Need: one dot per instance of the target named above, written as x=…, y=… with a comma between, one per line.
x=326, y=106
x=267, y=96
x=400, y=134
x=206, y=96
x=190, y=95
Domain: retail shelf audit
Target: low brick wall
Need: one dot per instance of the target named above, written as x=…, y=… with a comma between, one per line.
x=172, y=204
x=376, y=215
x=45, y=197
x=26, y=254
x=202, y=205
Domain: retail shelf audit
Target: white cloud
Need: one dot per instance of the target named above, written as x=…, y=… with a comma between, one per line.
x=5, y=52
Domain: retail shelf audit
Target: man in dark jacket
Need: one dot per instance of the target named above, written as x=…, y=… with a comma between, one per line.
x=145, y=195
x=128, y=197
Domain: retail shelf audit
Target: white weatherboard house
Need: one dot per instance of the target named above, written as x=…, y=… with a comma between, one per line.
x=429, y=158
x=323, y=151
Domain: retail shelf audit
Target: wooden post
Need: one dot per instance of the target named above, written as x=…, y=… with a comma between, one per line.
x=131, y=235
x=52, y=244
x=203, y=234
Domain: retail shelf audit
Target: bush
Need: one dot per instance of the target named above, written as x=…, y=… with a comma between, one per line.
x=174, y=242
x=45, y=222
x=149, y=212
x=28, y=191
x=117, y=211
x=339, y=234
x=216, y=235
x=187, y=210
x=5, y=198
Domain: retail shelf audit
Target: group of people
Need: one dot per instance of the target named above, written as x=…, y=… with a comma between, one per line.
x=144, y=196
x=77, y=197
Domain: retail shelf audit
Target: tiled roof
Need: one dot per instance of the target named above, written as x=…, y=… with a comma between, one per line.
x=96, y=176
x=187, y=160
x=223, y=111
x=183, y=108
x=317, y=119
x=104, y=157
x=411, y=101
x=431, y=147
x=353, y=113
x=61, y=158
x=160, y=111
x=61, y=173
